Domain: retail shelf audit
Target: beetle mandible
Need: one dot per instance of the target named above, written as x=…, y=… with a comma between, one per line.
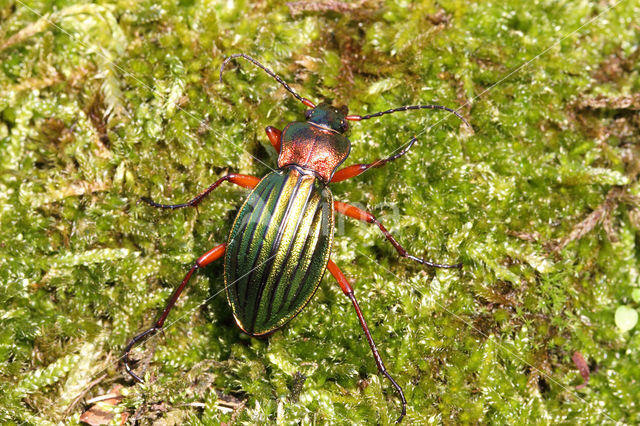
x=279, y=245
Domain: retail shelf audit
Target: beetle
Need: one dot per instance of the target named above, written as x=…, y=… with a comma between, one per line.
x=279, y=245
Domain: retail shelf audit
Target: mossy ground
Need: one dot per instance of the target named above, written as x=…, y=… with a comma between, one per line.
x=103, y=103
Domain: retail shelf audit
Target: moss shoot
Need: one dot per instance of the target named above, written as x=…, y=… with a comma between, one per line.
x=102, y=103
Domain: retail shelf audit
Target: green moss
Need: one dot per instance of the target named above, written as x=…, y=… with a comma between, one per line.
x=103, y=103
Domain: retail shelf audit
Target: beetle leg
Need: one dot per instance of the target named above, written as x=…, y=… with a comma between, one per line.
x=213, y=254
x=357, y=169
x=274, y=137
x=242, y=180
x=348, y=291
x=356, y=213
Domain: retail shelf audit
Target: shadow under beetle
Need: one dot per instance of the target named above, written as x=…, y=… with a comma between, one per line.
x=279, y=245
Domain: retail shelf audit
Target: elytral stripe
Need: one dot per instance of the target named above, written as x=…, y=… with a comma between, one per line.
x=278, y=249
x=245, y=224
x=275, y=246
x=283, y=259
x=302, y=275
x=275, y=211
x=250, y=247
x=300, y=257
x=238, y=259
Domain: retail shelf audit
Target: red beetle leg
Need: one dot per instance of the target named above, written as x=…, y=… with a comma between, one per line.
x=245, y=181
x=274, y=137
x=213, y=254
x=346, y=288
x=356, y=213
x=358, y=169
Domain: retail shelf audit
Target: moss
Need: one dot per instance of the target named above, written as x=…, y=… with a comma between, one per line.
x=103, y=103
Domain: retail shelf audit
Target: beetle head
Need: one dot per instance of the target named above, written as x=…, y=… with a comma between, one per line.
x=329, y=117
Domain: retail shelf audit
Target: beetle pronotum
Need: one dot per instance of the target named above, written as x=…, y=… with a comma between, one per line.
x=279, y=245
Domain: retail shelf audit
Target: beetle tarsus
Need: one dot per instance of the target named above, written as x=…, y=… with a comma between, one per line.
x=434, y=265
x=403, y=252
x=400, y=392
x=165, y=206
x=210, y=256
x=376, y=355
x=348, y=291
x=137, y=339
x=365, y=216
x=402, y=152
x=245, y=181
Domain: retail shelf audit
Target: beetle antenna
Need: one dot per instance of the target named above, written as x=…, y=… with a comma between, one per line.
x=305, y=101
x=406, y=108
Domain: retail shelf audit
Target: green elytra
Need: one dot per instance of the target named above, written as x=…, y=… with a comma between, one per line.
x=278, y=250
x=280, y=243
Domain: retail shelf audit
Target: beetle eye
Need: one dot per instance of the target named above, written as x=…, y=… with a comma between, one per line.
x=307, y=113
x=345, y=126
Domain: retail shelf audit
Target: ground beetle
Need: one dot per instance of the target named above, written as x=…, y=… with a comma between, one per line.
x=279, y=245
